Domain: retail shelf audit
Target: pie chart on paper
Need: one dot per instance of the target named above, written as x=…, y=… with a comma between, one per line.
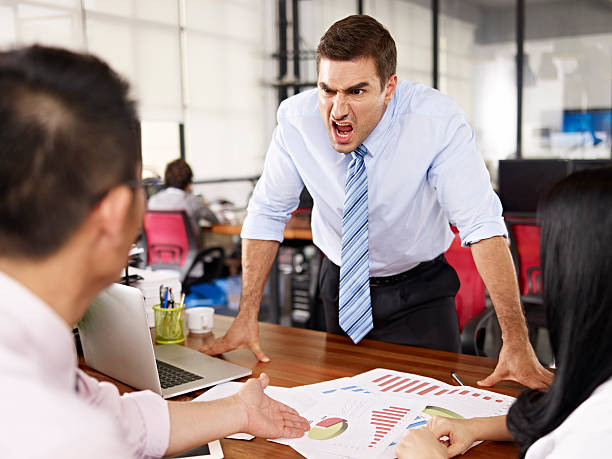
x=328, y=428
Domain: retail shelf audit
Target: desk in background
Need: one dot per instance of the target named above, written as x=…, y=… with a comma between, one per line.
x=297, y=228
x=300, y=356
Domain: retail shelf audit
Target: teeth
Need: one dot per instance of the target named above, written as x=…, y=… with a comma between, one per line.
x=339, y=133
x=343, y=134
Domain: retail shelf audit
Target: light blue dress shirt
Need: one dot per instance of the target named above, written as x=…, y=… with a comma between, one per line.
x=424, y=171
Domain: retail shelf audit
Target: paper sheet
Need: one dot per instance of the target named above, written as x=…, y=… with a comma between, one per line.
x=364, y=416
x=355, y=425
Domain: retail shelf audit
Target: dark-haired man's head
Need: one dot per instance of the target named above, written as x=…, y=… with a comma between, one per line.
x=68, y=135
x=178, y=174
x=360, y=36
x=356, y=62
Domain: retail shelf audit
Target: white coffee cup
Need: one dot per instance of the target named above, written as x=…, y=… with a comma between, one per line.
x=200, y=320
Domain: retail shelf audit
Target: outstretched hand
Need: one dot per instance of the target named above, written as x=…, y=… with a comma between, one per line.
x=264, y=416
x=243, y=333
x=519, y=363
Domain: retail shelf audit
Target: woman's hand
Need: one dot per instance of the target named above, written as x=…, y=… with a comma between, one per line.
x=425, y=443
x=461, y=433
x=421, y=444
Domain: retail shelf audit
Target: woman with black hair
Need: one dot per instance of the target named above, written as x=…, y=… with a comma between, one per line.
x=572, y=419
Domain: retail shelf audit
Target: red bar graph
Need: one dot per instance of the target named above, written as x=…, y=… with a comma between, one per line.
x=389, y=381
x=384, y=421
x=412, y=389
x=399, y=383
x=428, y=390
x=393, y=383
x=406, y=385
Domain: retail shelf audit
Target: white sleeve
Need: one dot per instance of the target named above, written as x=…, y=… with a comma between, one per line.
x=276, y=194
x=142, y=417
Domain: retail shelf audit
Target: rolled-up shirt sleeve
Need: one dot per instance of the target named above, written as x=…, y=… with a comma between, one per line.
x=463, y=185
x=276, y=194
x=142, y=417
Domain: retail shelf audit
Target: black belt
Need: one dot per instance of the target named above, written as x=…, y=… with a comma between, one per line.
x=411, y=273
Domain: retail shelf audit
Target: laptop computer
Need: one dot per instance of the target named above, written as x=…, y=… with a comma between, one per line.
x=116, y=341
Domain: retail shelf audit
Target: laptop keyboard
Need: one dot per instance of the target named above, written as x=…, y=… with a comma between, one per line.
x=170, y=376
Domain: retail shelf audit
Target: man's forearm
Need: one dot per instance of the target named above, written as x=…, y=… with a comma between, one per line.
x=257, y=259
x=193, y=424
x=494, y=263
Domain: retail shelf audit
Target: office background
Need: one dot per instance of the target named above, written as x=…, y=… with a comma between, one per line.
x=209, y=74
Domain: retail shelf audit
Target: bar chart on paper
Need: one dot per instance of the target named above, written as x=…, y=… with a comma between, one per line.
x=355, y=425
x=384, y=421
x=441, y=398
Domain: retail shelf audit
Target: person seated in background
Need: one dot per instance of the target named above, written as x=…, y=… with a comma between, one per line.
x=572, y=418
x=71, y=204
x=177, y=195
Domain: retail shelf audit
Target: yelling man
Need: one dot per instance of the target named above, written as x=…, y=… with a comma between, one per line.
x=389, y=165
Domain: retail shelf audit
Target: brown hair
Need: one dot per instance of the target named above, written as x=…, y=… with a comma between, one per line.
x=178, y=174
x=68, y=134
x=358, y=36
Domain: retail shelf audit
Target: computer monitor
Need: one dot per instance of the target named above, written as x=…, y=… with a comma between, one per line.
x=523, y=181
x=581, y=164
x=595, y=121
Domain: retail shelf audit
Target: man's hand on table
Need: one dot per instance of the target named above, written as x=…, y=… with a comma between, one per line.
x=518, y=362
x=265, y=417
x=243, y=333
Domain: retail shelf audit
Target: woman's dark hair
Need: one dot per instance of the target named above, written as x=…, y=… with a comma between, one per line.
x=178, y=174
x=576, y=258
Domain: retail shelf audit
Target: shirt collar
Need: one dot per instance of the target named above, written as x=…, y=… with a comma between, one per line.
x=37, y=335
x=377, y=136
x=175, y=190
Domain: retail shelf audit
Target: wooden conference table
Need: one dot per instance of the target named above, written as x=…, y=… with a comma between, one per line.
x=300, y=356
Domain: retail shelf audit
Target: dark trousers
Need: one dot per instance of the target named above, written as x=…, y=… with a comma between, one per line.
x=418, y=310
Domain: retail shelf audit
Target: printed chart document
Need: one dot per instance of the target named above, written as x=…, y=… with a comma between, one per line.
x=348, y=424
x=366, y=415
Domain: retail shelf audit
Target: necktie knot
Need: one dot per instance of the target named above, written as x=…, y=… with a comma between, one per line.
x=359, y=152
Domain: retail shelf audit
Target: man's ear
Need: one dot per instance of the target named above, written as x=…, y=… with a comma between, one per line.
x=111, y=213
x=390, y=88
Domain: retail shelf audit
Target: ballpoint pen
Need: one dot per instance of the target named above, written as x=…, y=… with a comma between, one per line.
x=456, y=378
x=166, y=299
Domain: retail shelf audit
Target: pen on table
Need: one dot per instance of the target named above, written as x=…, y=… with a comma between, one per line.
x=456, y=378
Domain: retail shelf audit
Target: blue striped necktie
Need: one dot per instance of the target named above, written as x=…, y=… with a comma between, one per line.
x=355, y=315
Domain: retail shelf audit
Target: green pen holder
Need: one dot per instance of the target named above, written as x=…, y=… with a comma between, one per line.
x=169, y=324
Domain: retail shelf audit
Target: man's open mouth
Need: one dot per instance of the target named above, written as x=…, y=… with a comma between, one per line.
x=343, y=130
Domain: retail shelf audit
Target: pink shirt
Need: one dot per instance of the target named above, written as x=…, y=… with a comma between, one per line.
x=50, y=408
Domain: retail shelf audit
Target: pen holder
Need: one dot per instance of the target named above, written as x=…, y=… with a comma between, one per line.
x=169, y=326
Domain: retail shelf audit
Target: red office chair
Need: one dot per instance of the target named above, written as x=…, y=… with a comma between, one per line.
x=171, y=243
x=524, y=233
x=470, y=300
